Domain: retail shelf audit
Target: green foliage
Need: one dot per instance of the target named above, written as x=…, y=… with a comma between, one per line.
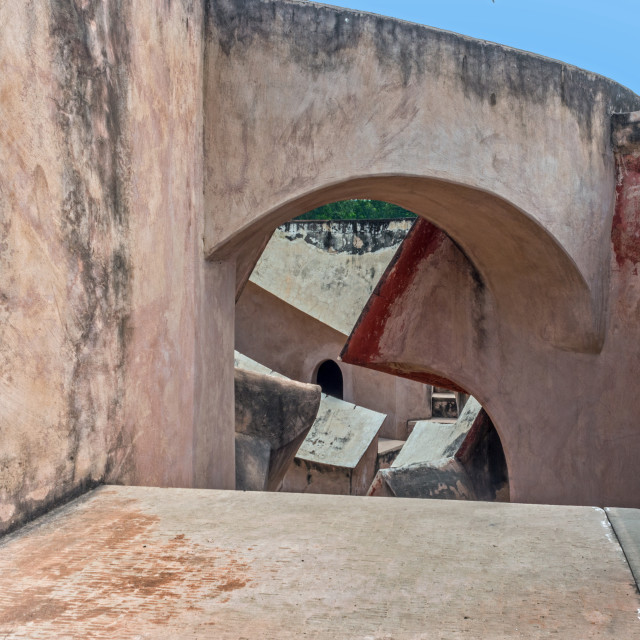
x=357, y=210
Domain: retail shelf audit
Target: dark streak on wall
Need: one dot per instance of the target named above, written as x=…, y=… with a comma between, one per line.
x=93, y=50
x=323, y=38
x=91, y=58
x=625, y=229
x=327, y=32
x=356, y=237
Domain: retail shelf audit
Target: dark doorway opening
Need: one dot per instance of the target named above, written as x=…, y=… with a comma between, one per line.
x=330, y=379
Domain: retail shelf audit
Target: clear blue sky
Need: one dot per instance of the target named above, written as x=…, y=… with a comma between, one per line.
x=599, y=35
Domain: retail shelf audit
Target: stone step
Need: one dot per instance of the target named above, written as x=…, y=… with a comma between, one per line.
x=388, y=451
x=443, y=405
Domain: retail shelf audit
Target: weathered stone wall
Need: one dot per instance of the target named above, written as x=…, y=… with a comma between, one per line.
x=329, y=269
x=172, y=405
x=354, y=237
x=65, y=270
x=101, y=270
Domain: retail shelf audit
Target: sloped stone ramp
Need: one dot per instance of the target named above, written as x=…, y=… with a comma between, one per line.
x=127, y=562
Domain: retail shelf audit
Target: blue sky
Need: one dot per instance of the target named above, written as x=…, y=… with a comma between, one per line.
x=598, y=35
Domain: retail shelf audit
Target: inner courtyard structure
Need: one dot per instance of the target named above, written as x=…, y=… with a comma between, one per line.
x=150, y=152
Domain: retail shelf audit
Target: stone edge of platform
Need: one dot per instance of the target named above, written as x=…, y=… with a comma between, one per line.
x=626, y=525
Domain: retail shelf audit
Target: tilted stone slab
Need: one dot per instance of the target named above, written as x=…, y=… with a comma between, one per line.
x=428, y=465
x=339, y=454
x=431, y=441
x=272, y=417
x=341, y=433
x=329, y=269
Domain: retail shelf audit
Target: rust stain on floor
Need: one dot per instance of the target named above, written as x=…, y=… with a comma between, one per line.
x=140, y=563
x=109, y=568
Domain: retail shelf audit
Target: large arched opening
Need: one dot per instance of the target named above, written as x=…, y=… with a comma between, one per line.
x=439, y=372
x=512, y=160
x=536, y=283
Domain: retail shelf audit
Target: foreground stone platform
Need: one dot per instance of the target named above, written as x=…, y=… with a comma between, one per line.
x=126, y=562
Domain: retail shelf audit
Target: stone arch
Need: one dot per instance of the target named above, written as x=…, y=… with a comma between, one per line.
x=508, y=152
x=537, y=285
x=532, y=285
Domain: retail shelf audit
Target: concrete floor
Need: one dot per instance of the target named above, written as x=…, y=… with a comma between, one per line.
x=126, y=562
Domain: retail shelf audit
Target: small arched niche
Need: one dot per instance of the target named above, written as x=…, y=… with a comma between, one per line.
x=329, y=377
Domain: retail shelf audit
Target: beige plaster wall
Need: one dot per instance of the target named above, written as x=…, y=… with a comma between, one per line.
x=164, y=119
x=177, y=393
x=102, y=281
x=401, y=399
x=510, y=155
x=65, y=263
